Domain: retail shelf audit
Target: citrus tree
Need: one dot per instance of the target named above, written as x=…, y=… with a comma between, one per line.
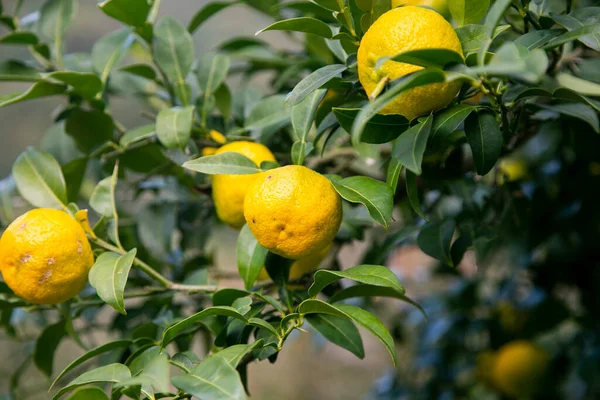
x=462, y=127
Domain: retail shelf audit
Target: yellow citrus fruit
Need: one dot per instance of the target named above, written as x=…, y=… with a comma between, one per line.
x=217, y=137
x=510, y=170
x=208, y=151
x=45, y=256
x=229, y=191
x=293, y=211
x=519, y=368
x=399, y=30
x=440, y=6
x=302, y=266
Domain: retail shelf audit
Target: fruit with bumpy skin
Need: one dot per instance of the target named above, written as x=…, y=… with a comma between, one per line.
x=293, y=211
x=519, y=369
x=397, y=31
x=440, y=6
x=45, y=256
x=302, y=266
x=229, y=191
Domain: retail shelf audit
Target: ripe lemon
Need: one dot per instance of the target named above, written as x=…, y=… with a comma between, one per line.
x=519, y=368
x=440, y=6
x=45, y=256
x=293, y=211
x=302, y=266
x=511, y=170
x=229, y=191
x=399, y=30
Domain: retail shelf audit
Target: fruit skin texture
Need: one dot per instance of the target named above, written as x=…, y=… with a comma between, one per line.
x=399, y=30
x=229, y=191
x=440, y=6
x=302, y=266
x=45, y=256
x=519, y=368
x=293, y=211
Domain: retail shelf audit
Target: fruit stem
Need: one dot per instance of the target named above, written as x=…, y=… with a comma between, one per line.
x=379, y=88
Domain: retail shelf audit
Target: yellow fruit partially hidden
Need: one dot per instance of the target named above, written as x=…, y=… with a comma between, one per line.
x=293, y=211
x=519, y=369
x=229, y=191
x=45, y=256
x=302, y=266
x=511, y=170
x=399, y=30
x=440, y=6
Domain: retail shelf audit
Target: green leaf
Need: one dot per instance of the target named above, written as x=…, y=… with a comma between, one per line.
x=424, y=57
x=382, y=128
x=331, y=5
x=581, y=17
x=379, y=7
x=472, y=36
x=108, y=373
x=516, y=62
x=413, y=194
x=86, y=85
x=562, y=93
x=109, y=276
x=206, y=12
x=251, y=257
x=578, y=85
x=212, y=379
x=174, y=330
x=150, y=370
x=314, y=81
x=448, y=121
x=46, y=345
x=223, y=101
x=485, y=138
x=592, y=29
x=301, y=24
x=234, y=354
x=536, y=39
x=338, y=330
x=410, y=146
x=24, y=38
x=141, y=70
x=55, y=19
x=89, y=128
x=39, y=179
x=268, y=116
x=393, y=174
x=303, y=114
x=468, y=11
x=579, y=111
x=375, y=275
x=110, y=50
x=372, y=324
x=102, y=199
x=174, y=53
x=89, y=393
x=105, y=348
x=260, y=323
x=301, y=149
x=435, y=240
x=493, y=17
x=130, y=12
x=372, y=291
x=370, y=110
x=137, y=135
x=36, y=91
x=174, y=126
x=12, y=70
x=226, y=297
x=375, y=195
x=212, y=71
x=228, y=163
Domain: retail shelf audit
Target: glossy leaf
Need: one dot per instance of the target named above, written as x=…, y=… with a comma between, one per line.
x=579, y=111
x=212, y=71
x=224, y=163
x=338, y=330
x=375, y=195
x=130, y=12
x=108, y=373
x=303, y=114
x=268, y=116
x=485, y=138
x=581, y=17
x=314, y=81
x=472, y=36
x=88, y=393
x=251, y=257
x=36, y=91
x=174, y=126
x=46, y=345
x=468, y=11
x=86, y=85
x=449, y=120
x=212, y=379
x=424, y=58
x=174, y=330
x=102, y=199
x=375, y=275
x=137, y=135
x=382, y=128
x=109, y=51
x=89, y=128
x=105, y=348
x=39, y=179
x=55, y=19
x=23, y=38
x=206, y=12
x=234, y=354
x=413, y=194
x=435, y=240
x=410, y=147
x=109, y=276
x=301, y=24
